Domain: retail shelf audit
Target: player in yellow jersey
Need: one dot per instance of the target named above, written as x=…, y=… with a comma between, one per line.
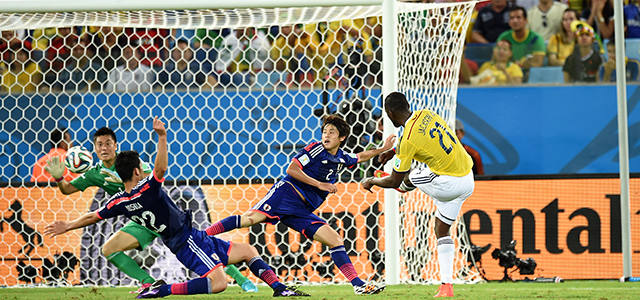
x=447, y=178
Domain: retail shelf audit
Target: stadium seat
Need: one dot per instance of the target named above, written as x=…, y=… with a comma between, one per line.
x=546, y=75
x=480, y=53
x=632, y=68
x=632, y=48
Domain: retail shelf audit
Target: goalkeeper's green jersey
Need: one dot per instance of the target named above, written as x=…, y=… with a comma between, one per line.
x=103, y=177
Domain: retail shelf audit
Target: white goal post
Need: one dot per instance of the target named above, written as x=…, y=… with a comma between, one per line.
x=421, y=51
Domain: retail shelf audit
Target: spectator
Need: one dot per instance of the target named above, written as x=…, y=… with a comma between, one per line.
x=478, y=168
x=632, y=16
x=243, y=54
x=107, y=44
x=527, y=46
x=131, y=76
x=288, y=52
x=79, y=73
x=561, y=44
x=546, y=18
x=607, y=72
x=468, y=68
x=9, y=38
x=340, y=47
x=184, y=71
x=492, y=21
x=526, y=4
x=583, y=64
x=151, y=43
x=60, y=140
x=206, y=43
x=599, y=16
x=57, y=53
x=22, y=75
x=501, y=67
x=575, y=4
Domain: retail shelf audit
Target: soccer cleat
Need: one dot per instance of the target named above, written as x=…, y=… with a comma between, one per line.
x=381, y=174
x=290, y=291
x=152, y=291
x=445, y=290
x=143, y=288
x=368, y=289
x=249, y=287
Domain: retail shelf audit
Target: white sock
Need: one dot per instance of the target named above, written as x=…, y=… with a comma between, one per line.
x=446, y=250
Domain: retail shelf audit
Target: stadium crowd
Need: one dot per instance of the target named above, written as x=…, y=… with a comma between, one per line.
x=537, y=34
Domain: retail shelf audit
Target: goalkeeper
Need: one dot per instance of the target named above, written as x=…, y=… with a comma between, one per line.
x=144, y=201
x=132, y=235
x=448, y=179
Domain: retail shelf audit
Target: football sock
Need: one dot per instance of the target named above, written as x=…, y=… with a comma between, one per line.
x=343, y=262
x=224, y=225
x=446, y=251
x=129, y=266
x=232, y=271
x=191, y=287
x=259, y=268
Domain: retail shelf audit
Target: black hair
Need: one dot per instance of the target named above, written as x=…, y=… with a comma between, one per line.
x=126, y=162
x=57, y=136
x=396, y=102
x=343, y=127
x=105, y=131
x=182, y=41
x=520, y=8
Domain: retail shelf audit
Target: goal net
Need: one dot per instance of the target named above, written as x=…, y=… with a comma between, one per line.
x=241, y=92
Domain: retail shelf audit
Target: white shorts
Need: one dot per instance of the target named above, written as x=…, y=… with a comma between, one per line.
x=448, y=192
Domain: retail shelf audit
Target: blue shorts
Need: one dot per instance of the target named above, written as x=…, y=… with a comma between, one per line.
x=203, y=254
x=283, y=203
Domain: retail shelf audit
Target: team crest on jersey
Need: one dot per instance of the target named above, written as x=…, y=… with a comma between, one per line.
x=304, y=159
x=266, y=207
x=342, y=160
x=324, y=162
x=215, y=256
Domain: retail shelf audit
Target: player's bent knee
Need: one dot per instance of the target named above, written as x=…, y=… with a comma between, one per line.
x=218, y=284
x=110, y=247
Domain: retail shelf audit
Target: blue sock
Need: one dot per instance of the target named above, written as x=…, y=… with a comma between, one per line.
x=343, y=262
x=260, y=268
x=226, y=224
x=191, y=287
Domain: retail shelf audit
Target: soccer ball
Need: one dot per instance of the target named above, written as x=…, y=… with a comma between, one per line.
x=79, y=159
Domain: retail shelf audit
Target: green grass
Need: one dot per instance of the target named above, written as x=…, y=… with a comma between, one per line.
x=584, y=289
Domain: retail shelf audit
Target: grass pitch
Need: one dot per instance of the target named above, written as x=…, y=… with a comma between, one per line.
x=584, y=289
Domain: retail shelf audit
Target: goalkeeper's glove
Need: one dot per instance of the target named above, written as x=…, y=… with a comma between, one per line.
x=55, y=168
x=111, y=176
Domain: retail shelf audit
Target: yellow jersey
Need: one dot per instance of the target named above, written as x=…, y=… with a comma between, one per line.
x=428, y=139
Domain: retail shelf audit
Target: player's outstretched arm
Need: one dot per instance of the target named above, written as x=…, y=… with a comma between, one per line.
x=367, y=155
x=392, y=181
x=60, y=227
x=294, y=171
x=55, y=167
x=162, y=157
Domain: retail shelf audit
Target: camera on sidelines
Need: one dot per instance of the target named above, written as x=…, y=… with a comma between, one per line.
x=507, y=259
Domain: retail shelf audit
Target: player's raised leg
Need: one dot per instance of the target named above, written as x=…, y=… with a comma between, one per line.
x=245, y=220
x=242, y=281
x=329, y=237
x=113, y=251
x=249, y=254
